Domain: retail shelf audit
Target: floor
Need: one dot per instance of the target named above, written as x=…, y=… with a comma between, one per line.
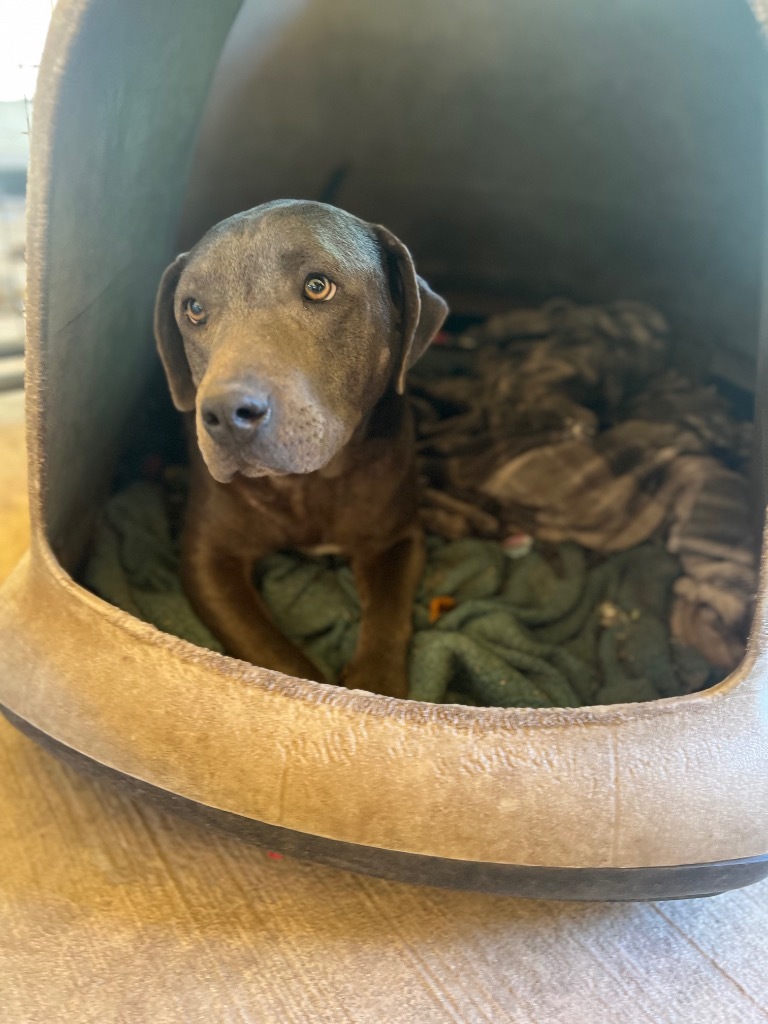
x=115, y=913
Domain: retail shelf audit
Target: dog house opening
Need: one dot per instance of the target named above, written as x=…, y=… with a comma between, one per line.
x=585, y=187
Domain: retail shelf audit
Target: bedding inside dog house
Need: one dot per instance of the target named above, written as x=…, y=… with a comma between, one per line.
x=523, y=151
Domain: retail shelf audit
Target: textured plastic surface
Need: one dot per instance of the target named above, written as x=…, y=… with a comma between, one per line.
x=676, y=782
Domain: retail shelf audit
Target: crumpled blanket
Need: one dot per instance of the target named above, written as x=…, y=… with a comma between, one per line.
x=571, y=424
x=554, y=627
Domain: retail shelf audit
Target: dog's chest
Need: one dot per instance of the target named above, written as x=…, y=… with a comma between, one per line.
x=323, y=515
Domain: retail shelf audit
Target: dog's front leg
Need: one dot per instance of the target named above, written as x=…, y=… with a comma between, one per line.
x=386, y=581
x=220, y=587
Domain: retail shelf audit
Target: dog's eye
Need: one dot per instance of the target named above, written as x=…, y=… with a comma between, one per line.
x=194, y=312
x=318, y=288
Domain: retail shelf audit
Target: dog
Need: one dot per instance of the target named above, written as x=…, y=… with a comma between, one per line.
x=288, y=331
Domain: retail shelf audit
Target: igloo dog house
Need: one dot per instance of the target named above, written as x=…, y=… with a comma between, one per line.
x=593, y=149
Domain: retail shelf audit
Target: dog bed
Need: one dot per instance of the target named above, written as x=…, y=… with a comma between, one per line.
x=495, y=622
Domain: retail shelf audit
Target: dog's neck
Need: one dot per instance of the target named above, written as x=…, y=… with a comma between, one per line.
x=384, y=422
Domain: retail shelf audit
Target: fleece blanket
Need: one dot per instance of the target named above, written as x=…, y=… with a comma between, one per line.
x=555, y=626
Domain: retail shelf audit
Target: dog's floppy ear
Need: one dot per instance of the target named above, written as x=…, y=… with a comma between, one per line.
x=423, y=311
x=170, y=344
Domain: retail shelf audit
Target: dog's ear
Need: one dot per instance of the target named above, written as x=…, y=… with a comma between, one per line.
x=170, y=344
x=422, y=310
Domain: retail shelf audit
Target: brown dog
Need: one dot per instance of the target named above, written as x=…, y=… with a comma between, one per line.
x=288, y=330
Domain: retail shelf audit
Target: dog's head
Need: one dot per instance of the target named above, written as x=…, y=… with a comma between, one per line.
x=283, y=327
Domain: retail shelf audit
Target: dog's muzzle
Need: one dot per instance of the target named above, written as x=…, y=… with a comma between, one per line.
x=245, y=427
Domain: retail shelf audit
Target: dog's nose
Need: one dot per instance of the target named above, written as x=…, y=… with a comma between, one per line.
x=233, y=413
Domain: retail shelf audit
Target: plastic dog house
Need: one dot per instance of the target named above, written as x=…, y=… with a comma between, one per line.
x=593, y=149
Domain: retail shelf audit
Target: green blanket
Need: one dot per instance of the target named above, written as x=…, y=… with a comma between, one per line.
x=554, y=628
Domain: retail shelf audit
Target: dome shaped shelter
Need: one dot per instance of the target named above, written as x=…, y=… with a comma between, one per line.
x=598, y=150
